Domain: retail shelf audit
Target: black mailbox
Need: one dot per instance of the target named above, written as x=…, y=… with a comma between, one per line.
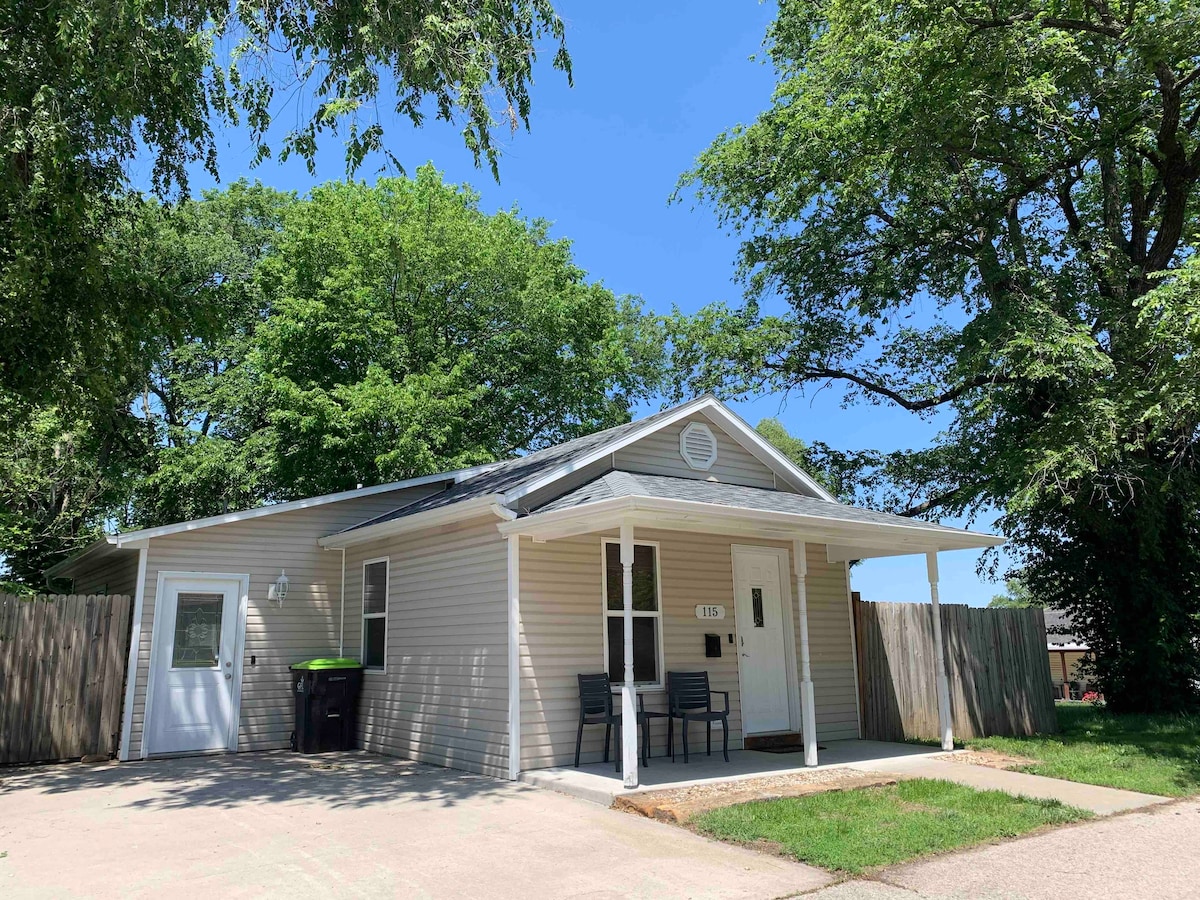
x=712, y=645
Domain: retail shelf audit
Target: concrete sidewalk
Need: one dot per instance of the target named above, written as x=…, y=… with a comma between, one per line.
x=1103, y=801
x=1151, y=853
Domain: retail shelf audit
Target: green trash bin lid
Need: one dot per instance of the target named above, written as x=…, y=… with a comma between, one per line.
x=329, y=663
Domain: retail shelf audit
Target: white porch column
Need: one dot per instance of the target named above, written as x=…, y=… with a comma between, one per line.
x=629, y=723
x=945, y=720
x=808, y=711
x=514, y=656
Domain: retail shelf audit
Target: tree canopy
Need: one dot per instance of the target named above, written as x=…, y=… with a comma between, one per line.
x=837, y=471
x=88, y=89
x=357, y=335
x=989, y=210
x=1016, y=596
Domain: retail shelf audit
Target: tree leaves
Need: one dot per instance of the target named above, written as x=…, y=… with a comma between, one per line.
x=380, y=333
x=991, y=210
x=88, y=89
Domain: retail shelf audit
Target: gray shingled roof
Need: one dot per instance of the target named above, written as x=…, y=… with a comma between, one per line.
x=510, y=474
x=1059, y=629
x=619, y=483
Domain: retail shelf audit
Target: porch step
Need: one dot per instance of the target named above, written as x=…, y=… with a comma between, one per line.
x=773, y=741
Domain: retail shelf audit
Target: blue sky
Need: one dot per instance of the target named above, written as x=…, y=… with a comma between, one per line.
x=654, y=84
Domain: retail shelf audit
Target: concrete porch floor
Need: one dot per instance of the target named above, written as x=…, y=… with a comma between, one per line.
x=599, y=782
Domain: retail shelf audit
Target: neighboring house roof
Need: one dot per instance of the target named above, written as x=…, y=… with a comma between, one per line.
x=1060, y=631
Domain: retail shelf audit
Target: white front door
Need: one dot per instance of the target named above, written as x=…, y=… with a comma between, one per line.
x=762, y=633
x=195, y=664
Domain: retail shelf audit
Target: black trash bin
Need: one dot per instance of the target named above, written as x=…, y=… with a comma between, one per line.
x=326, y=693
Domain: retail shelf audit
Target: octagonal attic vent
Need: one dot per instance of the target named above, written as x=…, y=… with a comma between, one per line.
x=698, y=446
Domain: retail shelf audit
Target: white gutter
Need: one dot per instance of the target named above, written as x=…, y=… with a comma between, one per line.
x=442, y=515
x=930, y=538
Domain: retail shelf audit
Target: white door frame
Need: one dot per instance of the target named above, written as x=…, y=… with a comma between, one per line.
x=156, y=651
x=783, y=559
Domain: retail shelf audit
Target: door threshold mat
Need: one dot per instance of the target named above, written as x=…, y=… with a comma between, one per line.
x=786, y=748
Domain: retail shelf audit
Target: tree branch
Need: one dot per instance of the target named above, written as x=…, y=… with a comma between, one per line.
x=1112, y=31
x=896, y=397
x=934, y=502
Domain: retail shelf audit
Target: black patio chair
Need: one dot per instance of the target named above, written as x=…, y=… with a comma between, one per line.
x=690, y=700
x=596, y=708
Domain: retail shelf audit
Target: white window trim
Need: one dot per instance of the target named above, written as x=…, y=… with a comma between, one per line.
x=387, y=605
x=659, y=685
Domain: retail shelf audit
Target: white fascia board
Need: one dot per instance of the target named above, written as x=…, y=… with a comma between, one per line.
x=609, y=448
x=901, y=537
x=128, y=537
x=739, y=429
x=443, y=515
x=868, y=549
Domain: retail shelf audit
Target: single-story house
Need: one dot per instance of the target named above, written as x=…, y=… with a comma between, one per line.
x=682, y=541
x=1066, y=651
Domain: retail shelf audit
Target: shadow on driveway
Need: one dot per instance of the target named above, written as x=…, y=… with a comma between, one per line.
x=353, y=779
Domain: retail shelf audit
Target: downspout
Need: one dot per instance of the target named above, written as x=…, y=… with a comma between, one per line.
x=514, y=643
x=342, y=623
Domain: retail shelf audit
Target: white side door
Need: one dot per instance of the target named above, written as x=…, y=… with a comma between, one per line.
x=762, y=651
x=196, y=664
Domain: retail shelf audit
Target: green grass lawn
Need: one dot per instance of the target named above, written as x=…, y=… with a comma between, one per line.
x=878, y=826
x=1151, y=754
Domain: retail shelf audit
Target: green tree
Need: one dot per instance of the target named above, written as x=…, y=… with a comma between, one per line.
x=988, y=210
x=837, y=471
x=1016, y=596
x=374, y=333
x=61, y=477
x=89, y=88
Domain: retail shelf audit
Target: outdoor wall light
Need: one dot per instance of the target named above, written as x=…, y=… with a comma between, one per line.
x=278, y=590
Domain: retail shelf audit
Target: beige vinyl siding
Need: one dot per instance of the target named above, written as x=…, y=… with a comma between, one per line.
x=307, y=624
x=443, y=697
x=658, y=454
x=115, y=573
x=562, y=636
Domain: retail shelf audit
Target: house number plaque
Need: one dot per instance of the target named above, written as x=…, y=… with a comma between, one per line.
x=710, y=612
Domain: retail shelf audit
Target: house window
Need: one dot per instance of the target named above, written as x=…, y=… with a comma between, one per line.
x=374, y=613
x=647, y=615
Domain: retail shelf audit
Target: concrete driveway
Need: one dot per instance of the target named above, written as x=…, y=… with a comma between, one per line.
x=345, y=825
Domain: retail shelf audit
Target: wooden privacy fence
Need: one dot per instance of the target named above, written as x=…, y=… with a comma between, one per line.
x=62, y=676
x=995, y=662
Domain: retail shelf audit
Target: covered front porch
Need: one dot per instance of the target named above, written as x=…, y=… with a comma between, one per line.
x=600, y=783
x=640, y=576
